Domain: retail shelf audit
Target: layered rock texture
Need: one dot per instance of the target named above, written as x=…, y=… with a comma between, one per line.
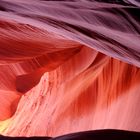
x=69, y=66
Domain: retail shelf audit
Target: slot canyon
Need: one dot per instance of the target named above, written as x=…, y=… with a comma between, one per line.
x=69, y=69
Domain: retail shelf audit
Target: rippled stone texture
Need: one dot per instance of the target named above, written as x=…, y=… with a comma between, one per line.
x=68, y=66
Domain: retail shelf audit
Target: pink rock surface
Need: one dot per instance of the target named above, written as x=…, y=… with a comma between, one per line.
x=63, y=70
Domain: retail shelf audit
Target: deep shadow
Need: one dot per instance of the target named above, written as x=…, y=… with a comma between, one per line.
x=105, y=134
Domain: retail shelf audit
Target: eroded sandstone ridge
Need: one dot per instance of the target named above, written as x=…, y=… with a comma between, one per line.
x=68, y=66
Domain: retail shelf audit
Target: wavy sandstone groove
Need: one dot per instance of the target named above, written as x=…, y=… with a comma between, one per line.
x=68, y=66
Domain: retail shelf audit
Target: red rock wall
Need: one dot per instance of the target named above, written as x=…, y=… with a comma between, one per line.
x=55, y=81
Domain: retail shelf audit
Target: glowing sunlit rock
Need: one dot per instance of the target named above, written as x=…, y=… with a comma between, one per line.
x=64, y=70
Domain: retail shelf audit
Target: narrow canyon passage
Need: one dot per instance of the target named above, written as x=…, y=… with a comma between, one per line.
x=67, y=67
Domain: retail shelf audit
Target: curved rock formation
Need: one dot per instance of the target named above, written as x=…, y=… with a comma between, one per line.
x=68, y=66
